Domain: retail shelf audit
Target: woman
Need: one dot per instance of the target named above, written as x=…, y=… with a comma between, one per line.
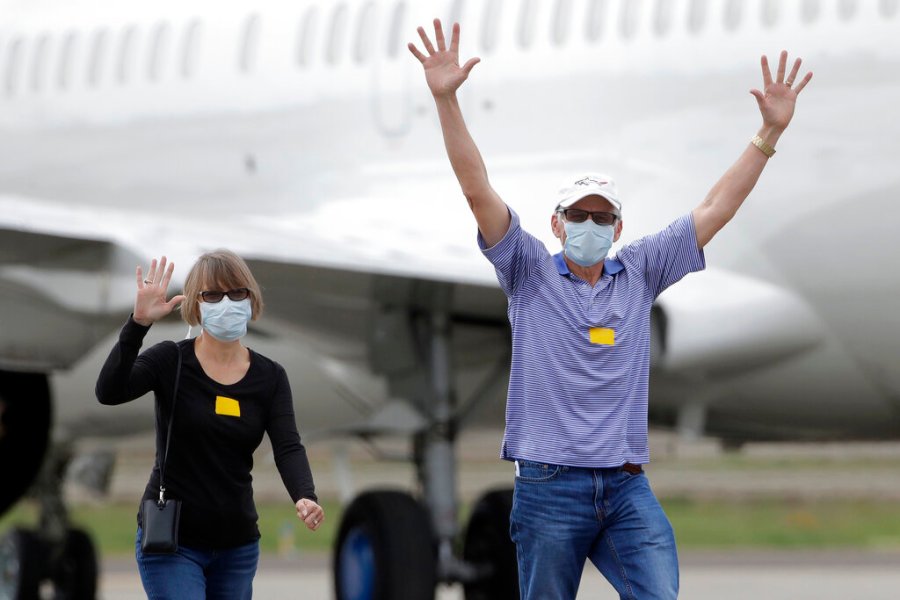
x=228, y=396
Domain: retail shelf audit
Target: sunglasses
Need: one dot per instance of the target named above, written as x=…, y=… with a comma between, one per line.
x=235, y=295
x=576, y=215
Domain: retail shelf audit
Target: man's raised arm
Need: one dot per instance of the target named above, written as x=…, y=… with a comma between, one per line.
x=444, y=76
x=776, y=104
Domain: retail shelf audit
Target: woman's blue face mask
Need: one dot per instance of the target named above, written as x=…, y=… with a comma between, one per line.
x=226, y=320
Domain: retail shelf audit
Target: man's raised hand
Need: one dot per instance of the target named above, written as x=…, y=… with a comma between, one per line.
x=779, y=96
x=442, y=71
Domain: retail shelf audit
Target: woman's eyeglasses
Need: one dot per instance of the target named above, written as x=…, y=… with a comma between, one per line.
x=235, y=295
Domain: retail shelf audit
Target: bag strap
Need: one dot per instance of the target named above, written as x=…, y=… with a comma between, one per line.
x=162, y=465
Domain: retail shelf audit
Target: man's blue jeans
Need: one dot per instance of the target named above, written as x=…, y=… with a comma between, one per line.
x=562, y=516
x=191, y=574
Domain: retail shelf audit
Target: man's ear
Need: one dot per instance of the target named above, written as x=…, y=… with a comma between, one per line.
x=618, y=230
x=556, y=226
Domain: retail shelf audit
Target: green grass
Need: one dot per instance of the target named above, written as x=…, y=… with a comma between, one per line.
x=698, y=525
x=785, y=524
x=113, y=526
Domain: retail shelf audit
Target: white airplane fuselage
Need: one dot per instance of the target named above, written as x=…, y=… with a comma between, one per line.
x=176, y=127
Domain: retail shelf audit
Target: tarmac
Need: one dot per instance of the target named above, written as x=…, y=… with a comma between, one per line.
x=697, y=470
x=815, y=575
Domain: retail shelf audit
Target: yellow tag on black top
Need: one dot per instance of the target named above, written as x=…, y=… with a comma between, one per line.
x=227, y=406
x=603, y=336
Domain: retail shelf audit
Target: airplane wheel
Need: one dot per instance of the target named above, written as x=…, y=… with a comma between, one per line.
x=385, y=550
x=76, y=576
x=489, y=548
x=21, y=560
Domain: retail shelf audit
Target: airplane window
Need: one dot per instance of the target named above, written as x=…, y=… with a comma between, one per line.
x=67, y=55
x=732, y=16
x=490, y=21
x=13, y=60
x=596, y=19
x=127, y=46
x=305, y=38
x=810, y=10
x=39, y=62
x=662, y=21
x=889, y=7
x=159, y=46
x=337, y=34
x=190, y=49
x=527, y=21
x=847, y=9
x=397, y=36
x=98, y=54
x=249, y=43
x=769, y=13
x=364, y=31
x=696, y=16
x=561, y=20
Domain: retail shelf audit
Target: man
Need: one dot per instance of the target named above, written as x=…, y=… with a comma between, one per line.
x=576, y=417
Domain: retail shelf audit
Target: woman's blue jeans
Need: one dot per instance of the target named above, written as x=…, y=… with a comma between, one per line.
x=562, y=516
x=191, y=574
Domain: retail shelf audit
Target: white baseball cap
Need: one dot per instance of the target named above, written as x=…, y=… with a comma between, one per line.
x=589, y=184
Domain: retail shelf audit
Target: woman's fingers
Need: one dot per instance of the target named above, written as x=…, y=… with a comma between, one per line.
x=310, y=513
x=140, y=277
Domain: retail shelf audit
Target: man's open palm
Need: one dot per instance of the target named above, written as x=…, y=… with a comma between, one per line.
x=442, y=70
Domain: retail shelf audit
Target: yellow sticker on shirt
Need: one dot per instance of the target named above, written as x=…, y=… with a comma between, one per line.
x=227, y=406
x=603, y=336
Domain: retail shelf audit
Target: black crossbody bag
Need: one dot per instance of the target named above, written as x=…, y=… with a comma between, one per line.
x=159, y=518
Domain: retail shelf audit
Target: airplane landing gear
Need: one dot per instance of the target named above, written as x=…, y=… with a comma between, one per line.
x=56, y=554
x=391, y=546
x=27, y=560
x=489, y=549
x=384, y=549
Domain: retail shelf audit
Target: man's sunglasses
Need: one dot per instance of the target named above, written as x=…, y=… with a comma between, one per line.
x=576, y=215
x=235, y=295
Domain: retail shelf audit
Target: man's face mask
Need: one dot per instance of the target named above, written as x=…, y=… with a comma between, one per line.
x=588, y=243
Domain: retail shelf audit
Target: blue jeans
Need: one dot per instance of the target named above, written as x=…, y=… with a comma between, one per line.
x=562, y=516
x=191, y=574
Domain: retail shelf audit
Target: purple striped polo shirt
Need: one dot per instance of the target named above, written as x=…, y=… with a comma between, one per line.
x=580, y=368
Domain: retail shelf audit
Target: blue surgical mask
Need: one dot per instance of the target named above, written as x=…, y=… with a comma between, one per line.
x=226, y=320
x=588, y=243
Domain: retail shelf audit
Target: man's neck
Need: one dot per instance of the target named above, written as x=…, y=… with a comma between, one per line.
x=590, y=274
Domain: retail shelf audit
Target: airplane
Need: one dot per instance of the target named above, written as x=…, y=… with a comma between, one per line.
x=302, y=136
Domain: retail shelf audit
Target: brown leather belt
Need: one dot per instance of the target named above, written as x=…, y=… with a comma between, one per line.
x=632, y=468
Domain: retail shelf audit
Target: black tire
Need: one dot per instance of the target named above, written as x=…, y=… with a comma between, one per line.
x=75, y=576
x=22, y=557
x=384, y=550
x=25, y=424
x=489, y=548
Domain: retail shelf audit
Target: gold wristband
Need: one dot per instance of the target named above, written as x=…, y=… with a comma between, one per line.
x=764, y=146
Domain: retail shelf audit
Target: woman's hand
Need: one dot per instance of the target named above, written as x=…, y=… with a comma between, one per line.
x=150, y=303
x=777, y=100
x=310, y=513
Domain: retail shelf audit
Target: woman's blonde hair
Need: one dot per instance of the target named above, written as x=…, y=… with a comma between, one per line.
x=220, y=270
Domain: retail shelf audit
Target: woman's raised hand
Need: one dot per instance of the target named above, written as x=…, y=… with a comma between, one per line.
x=150, y=303
x=442, y=71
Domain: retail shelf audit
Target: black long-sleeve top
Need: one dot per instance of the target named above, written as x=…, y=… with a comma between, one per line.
x=211, y=451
